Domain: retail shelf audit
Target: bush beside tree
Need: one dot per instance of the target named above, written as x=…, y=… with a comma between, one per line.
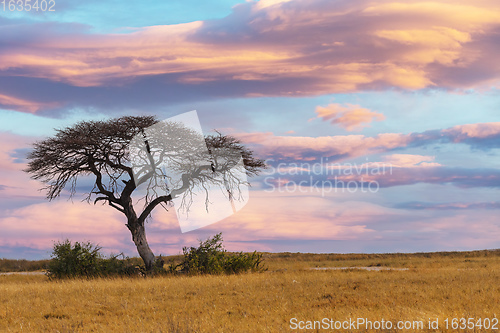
x=210, y=257
x=85, y=260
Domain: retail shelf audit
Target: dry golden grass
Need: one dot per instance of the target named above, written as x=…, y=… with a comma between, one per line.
x=435, y=286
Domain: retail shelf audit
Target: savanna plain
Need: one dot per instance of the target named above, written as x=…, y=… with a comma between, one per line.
x=420, y=287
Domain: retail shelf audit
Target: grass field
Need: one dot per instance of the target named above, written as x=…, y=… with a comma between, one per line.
x=434, y=286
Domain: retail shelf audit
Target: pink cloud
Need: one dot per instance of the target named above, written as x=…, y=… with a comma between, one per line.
x=270, y=216
x=350, y=117
x=410, y=161
x=457, y=231
x=480, y=131
x=267, y=222
x=349, y=146
x=41, y=224
x=343, y=146
x=353, y=171
x=400, y=176
x=270, y=220
x=449, y=206
x=17, y=182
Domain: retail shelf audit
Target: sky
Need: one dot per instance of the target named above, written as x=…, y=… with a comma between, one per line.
x=378, y=120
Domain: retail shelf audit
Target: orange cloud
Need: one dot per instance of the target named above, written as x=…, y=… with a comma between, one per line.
x=471, y=15
x=24, y=105
x=350, y=117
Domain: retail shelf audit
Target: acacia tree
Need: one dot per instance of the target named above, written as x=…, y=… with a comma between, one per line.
x=101, y=150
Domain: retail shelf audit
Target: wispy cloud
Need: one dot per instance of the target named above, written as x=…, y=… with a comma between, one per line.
x=409, y=161
x=23, y=105
x=448, y=206
x=350, y=116
x=341, y=147
x=460, y=177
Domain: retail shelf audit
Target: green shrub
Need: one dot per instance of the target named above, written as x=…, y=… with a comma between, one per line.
x=120, y=267
x=211, y=258
x=84, y=260
x=70, y=260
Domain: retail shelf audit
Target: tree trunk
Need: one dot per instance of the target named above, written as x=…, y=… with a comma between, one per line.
x=139, y=236
x=140, y=241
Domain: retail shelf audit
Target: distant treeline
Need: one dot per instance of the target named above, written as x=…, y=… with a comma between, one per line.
x=9, y=265
x=290, y=256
